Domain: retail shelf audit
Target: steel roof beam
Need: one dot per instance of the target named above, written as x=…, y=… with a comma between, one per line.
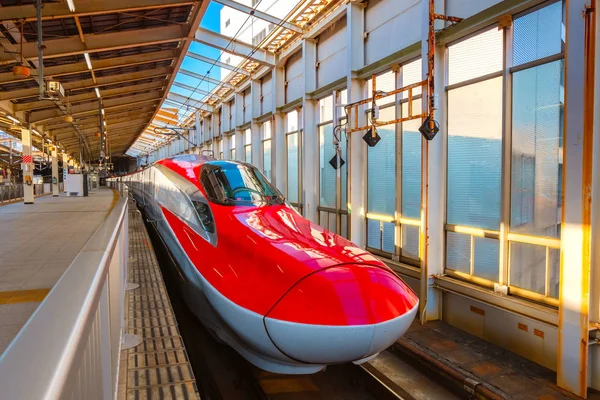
x=97, y=65
x=236, y=47
x=217, y=63
x=89, y=83
x=205, y=78
x=194, y=90
x=45, y=115
x=259, y=14
x=182, y=100
x=103, y=42
x=106, y=94
x=84, y=8
x=51, y=127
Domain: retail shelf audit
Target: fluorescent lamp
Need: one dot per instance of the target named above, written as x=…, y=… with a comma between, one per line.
x=97, y=92
x=36, y=132
x=104, y=123
x=87, y=60
x=102, y=111
x=16, y=121
x=71, y=5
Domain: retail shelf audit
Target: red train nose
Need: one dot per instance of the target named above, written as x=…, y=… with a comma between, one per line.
x=345, y=295
x=341, y=314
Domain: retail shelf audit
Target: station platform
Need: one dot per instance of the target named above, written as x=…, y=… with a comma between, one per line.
x=479, y=367
x=39, y=242
x=159, y=367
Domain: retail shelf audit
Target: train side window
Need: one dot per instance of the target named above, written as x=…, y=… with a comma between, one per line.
x=205, y=216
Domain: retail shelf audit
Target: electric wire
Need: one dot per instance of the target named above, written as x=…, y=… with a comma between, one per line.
x=237, y=68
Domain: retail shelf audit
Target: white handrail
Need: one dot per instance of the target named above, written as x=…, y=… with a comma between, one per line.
x=69, y=348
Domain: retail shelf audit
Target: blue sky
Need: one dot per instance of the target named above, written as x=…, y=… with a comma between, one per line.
x=210, y=21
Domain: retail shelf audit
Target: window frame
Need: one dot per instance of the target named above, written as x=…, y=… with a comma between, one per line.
x=504, y=235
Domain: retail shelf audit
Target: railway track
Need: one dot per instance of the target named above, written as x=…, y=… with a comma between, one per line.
x=222, y=374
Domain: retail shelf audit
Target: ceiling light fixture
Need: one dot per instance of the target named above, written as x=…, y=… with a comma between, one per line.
x=71, y=5
x=97, y=92
x=102, y=111
x=16, y=121
x=87, y=60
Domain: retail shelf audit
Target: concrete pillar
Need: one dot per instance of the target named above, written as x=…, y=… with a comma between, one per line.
x=575, y=356
x=27, y=166
x=310, y=135
x=257, y=153
x=55, y=183
x=595, y=256
x=433, y=182
x=227, y=146
x=278, y=130
x=240, y=155
x=357, y=154
x=65, y=163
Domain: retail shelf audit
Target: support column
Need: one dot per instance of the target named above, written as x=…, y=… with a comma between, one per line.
x=240, y=155
x=65, y=163
x=55, y=184
x=257, y=154
x=433, y=186
x=310, y=136
x=595, y=256
x=227, y=146
x=575, y=252
x=27, y=166
x=278, y=130
x=357, y=154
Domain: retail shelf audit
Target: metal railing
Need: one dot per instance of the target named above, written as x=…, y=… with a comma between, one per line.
x=69, y=348
x=15, y=191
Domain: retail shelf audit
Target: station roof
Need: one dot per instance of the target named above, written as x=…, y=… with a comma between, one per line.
x=112, y=57
x=118, y=59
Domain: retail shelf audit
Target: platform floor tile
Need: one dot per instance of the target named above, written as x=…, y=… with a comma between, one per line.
x=159, y=367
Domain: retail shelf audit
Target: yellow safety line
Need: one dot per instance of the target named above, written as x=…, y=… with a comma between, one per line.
x=23, y=296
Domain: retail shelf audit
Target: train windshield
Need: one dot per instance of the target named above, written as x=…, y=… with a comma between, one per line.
x=237, y=184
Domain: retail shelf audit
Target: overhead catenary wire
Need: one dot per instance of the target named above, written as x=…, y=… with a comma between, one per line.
x=237, y=68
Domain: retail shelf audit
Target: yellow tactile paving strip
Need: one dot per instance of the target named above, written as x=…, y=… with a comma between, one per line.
x=158, y=368
x=23, y=296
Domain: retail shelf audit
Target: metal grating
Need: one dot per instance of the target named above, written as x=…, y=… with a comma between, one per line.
x=159, y=367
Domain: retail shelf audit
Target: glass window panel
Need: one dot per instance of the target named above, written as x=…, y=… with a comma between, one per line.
x=476, y=56
x=233, y=154
x=267, y=159
x=332, y=222
x=411, y=164
x=326, y=109
x=389, y=233
x=528, y=267
x=323, y=219
x=536, y=153
x=247, y=136
x=475, y=154
x=538, y=34
x=381, y=169
x=458, y=252
x=248, y=153
x=412, y=73
x=487, y=258
x=267, y=130
x=373, y=234
x=554, y=273
x=327, y=174
x=344, y=224
x=292, y=167
x=291, y=119
x=410, y=241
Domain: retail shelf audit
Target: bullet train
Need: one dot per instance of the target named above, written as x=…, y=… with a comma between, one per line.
x=286, y=294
